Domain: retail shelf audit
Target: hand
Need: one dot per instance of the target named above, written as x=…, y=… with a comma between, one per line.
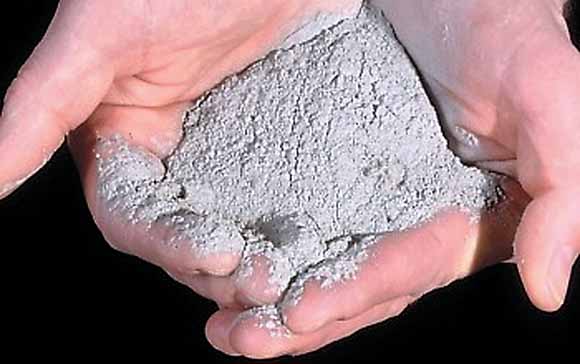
x=131, y=68
x=505, y=78
x=506, y=82
x=135, y=71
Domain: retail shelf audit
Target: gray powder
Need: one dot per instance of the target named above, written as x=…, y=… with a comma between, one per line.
x=306, y=157
x=268, y=317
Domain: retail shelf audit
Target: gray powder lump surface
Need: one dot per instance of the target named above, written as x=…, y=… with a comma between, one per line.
x=306, y=157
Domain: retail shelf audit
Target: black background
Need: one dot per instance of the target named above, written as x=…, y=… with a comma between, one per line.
x=65, y=289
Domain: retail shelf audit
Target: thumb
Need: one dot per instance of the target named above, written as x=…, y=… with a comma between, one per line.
x=547, y=244
x=548, y=239
x=55, y=91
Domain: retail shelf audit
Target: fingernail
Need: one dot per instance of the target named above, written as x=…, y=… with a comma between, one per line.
x=559, y=273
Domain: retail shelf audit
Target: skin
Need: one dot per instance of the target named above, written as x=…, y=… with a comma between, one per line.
x=504, y=71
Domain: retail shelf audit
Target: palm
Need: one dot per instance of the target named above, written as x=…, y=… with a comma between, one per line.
x=173, y=51
x=488, y=70
x=167, y=54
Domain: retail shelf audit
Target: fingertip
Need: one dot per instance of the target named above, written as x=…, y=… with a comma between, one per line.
x=559, y=272
x=252, y=278
x=186, y=257
x=539, y=292
x=219, y=264
x=260, y=334
x=189, y=248
x=41, y=105
x=548, y=293
x=545, y=250
x=221, y=290
x=218, y=329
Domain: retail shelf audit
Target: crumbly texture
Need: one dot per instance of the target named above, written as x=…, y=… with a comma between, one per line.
x=268, y=317
x=306, y=157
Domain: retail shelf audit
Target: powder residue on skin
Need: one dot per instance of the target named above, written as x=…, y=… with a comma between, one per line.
x=307, y=157
x=268, y=317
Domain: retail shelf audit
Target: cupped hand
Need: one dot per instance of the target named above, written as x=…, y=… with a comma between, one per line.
x=109, y=68
x=117, y=68
x=506, y=78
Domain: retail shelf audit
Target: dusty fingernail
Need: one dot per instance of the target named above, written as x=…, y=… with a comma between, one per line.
x=559, y=273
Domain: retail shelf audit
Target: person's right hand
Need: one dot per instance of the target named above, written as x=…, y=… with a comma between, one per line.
x=130, y=68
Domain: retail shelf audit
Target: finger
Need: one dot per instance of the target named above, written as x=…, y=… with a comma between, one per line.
x=545, y=97
x=118, y=153
x=342, y=329
x=548, y=240
x=242, y=290
x=269, y=260
x=547, y=245
x=221, y=290
x=399, y=264
x=258, y=333
x=403, y=264
x=56, y=90
x=261, y=279
x=217, y=330
x=224, y=291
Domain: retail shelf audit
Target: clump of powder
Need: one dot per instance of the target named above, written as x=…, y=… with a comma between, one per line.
x=307, y=158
